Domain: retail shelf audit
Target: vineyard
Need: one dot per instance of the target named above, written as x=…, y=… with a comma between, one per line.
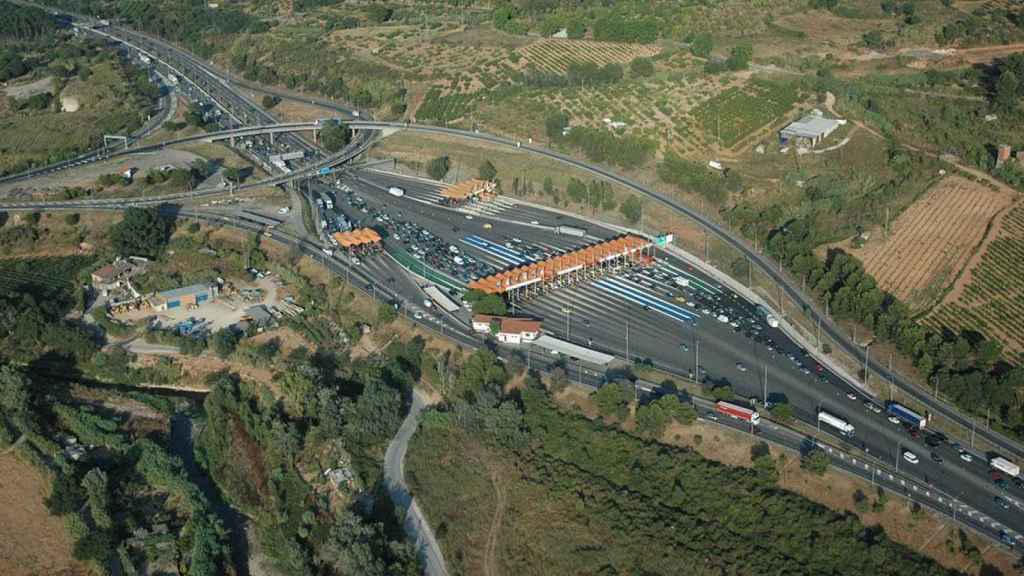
x=992, y=299
x=932, y=240
x=555, y=55
x=439, y=107
x=738, y=112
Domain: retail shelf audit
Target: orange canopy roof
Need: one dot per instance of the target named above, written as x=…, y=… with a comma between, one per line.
x=550, y=269
x=468, y=188
x=357, y=237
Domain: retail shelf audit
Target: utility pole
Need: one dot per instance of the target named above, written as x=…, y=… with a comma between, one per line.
x=696, y=369
x=627, y=339
x=867, y=350
x=765, y=397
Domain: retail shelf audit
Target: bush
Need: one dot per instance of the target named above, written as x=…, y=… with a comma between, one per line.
x=438, y=167
x=642, y=67
x=270, y=101
x=72, y=219
x=225, y=341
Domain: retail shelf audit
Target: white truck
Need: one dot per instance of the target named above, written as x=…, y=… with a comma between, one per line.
x=570, y=231
x=844, y=427
x=1004, y=465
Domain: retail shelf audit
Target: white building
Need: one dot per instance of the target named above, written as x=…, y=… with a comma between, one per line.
x=809, y=130
x=508, y=330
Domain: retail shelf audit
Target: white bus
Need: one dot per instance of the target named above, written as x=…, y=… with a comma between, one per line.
x=844, y=427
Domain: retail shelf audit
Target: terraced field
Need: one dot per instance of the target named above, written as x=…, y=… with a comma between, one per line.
x=555, y=55
x=992, y=298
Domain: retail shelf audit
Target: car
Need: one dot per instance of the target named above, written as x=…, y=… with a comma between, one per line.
x=488, y=226
x=684, y=347
x=851, y=395
x=936, y=458
x=1006, y=538
x=469, y=216
x=534, y=222
x=741, y=367
x=283, y=210
x=872, y=407
x=966, y=456
x=1002, y=483
x=1001, y=502
x=910, y=457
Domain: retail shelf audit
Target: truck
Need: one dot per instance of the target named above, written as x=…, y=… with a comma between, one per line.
x=905, y=414
x=396, y=191
x=844, y=427
x=736, y=411
x=570, y=231
x=768, y=317
x=1004, y=465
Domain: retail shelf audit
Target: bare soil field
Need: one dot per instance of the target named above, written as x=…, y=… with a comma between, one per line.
x=32, y=542
x=932, y=240
x=22, y=91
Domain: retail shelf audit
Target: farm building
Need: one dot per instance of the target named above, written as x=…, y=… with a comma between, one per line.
x=809, y=130
x=508, y=330
x=117, y=273
x=193, y=295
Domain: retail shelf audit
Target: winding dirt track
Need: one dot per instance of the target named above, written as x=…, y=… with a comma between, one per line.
x=491, y=550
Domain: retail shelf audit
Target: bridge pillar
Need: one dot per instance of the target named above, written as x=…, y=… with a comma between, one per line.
x=316, y=137
x=271, y=138
x=232, y=141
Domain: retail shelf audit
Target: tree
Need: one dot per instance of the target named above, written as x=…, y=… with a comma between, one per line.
x=816, y=462
x=15, y=398
x=233, y=173
x=739, y=57
x=701, y=45
x=225, y=341
x=270, y=101
x=484, y=303
x=555, y=124
x=1006, y=90
x=335, y=136
x=386, y=313
x=782, y=412
x=97, y=491
x=632, y=208
x=612, y=400
x=641, y=67
x=487, y=171
x=438, y=167
x=72, y=219
x=141, y=232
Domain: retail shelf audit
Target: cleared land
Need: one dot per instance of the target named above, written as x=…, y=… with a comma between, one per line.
x=932, y=240
x=31, y=541
x=990, y=298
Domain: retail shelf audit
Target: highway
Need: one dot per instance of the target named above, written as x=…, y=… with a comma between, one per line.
x=632, y=316
x=639, y=317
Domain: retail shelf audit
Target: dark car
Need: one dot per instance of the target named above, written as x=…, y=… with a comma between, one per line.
x=1002, y=502
x=936, y=458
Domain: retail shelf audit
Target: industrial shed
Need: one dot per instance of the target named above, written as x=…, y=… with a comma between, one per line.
x=809, y=130
x=193, y=295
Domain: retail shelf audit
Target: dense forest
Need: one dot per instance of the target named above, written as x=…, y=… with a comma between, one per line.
x=629, y=506
x=23, y=22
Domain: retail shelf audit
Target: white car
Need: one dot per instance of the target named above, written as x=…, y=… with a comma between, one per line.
x=894, y=420
x=966, y=456
x=851, y=395
x=283, y=210
x=469, y=216
x=910, y=457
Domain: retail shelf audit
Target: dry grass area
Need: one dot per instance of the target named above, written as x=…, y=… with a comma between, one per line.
x=555, y=55
x=932, y=240
x=31, y=541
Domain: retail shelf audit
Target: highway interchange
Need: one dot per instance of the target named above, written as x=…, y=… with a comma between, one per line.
x=656, y=314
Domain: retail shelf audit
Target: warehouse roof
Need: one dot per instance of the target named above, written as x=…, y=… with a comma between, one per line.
x=811, y=126
x=184, y=291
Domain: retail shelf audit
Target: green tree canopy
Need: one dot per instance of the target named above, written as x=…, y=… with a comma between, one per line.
x=142, y=232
